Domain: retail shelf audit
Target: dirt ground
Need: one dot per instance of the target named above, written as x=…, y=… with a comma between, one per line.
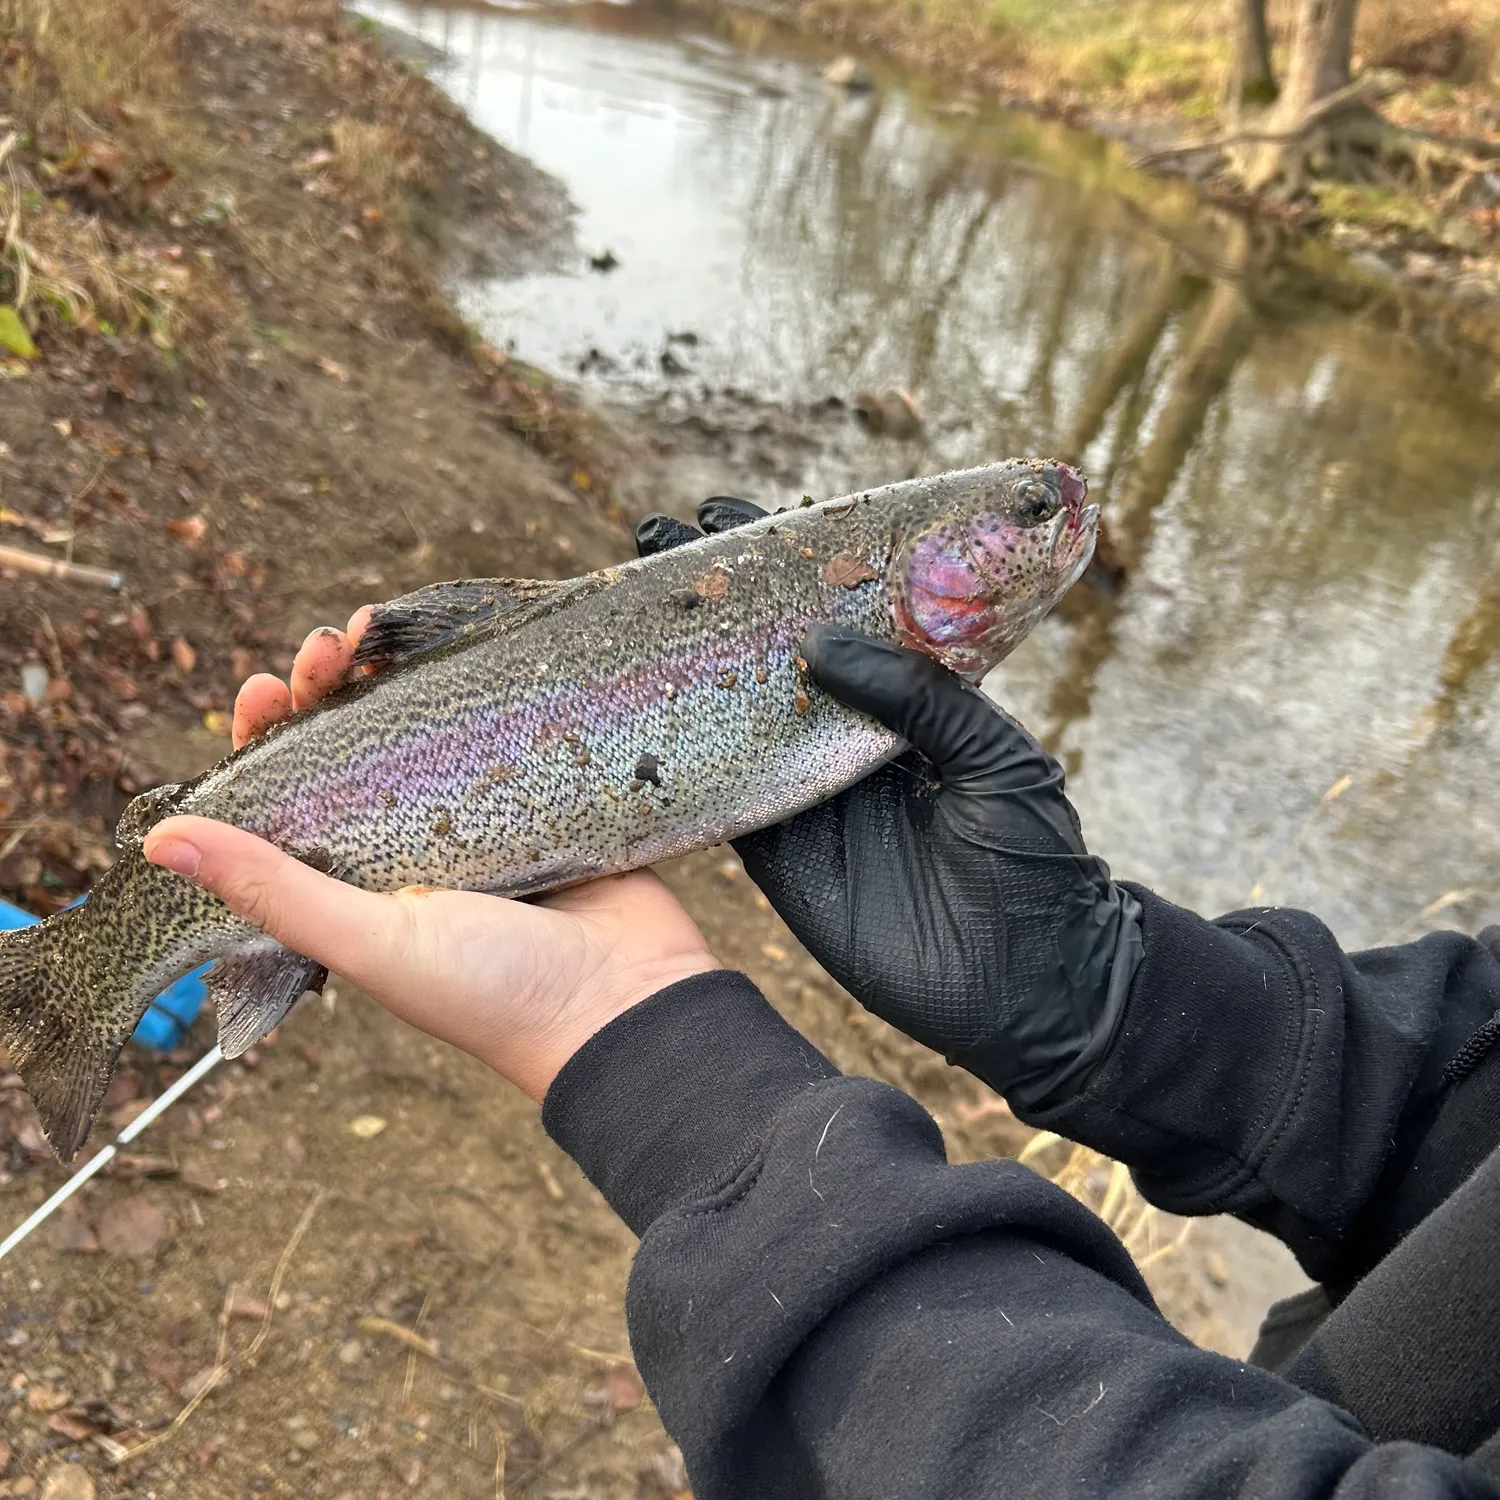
x=350, y=1264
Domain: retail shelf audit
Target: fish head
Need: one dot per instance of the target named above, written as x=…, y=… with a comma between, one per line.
x=969, y=587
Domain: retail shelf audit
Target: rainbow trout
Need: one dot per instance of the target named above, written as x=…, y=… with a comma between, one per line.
x=521, y=736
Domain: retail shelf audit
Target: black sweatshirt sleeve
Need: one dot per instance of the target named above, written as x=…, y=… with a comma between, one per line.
x=1260, y=1070
x=822, y=1307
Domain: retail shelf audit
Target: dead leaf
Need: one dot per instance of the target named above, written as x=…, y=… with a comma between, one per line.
x=624, y=1387
x=184, y=655
x=844, y=570
x=74, y=1424
x=70, y=1231
x=216, y=721
x=189, y=530
x=133, y=1226
x=68, y=1482
x=713, y=585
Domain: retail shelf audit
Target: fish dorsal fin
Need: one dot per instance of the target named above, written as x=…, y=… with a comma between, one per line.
x=443, y=614
x=143, y=812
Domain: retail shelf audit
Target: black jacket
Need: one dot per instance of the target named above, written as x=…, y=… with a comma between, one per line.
x=821, y=1306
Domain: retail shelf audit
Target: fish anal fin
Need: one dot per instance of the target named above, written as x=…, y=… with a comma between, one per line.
x=253, y=992
x=443, y=614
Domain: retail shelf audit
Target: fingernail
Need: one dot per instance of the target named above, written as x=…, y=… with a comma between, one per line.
x=177, y=855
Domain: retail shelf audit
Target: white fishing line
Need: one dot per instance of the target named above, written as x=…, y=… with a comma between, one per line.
x=152, y=1111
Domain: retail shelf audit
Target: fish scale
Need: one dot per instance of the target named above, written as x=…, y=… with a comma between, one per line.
x=520, y=736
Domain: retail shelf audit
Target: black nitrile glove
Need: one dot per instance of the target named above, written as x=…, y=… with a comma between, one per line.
x=950, y=891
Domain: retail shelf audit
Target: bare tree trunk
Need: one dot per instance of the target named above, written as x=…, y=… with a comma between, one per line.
x=1322, y=46
x=1252, y=82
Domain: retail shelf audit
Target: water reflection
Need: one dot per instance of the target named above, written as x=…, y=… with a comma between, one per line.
x=1301, y=495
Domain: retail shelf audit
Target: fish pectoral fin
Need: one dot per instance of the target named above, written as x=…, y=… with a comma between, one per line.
x=253, y=992
x=443, y=614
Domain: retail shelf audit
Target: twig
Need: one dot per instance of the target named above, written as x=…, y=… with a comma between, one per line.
x=397, y=1331
x=280, y=1272
x=212, y=1379
x=16, y=839
x=52, y=567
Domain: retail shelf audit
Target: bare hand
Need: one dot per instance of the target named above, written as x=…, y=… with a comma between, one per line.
x=519, y=985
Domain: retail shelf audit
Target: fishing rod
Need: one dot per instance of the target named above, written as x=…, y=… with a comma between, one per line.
x=152, y=1111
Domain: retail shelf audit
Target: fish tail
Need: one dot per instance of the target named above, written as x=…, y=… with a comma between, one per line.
x=49, y=1029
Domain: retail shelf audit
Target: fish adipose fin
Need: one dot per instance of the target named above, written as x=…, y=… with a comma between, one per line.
x=62, y=1044
x=253, y=992
x=443, y=614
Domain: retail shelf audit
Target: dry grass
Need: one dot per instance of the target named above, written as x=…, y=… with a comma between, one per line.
x=375, y=160
x=92, y=139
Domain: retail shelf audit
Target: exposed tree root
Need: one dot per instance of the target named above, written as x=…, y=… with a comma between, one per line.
x=1342, y=138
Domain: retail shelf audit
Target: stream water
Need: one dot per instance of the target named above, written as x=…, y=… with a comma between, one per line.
x=1292, y=692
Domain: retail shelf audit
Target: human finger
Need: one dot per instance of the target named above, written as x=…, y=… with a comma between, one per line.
x=322, y=662
x=350, y=931
x=263, y=700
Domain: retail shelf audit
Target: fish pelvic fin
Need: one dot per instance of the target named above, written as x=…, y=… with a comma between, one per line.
x=253, y=992
x=54, y=1037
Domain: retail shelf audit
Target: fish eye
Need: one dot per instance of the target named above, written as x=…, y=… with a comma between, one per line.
x=1036, y=502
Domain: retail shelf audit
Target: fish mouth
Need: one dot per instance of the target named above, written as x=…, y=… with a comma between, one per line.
x=1073, y=531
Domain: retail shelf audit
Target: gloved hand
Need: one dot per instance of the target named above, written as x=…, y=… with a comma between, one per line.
x=950, y=891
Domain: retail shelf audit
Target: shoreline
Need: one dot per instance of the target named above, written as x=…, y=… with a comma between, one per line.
x=1397, y=239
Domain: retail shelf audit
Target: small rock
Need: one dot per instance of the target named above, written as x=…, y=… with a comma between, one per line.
x=25, y=1485
x=624, y=1387
x=367, y=1127
x=351, y=1351
x=1218, y=1272
x=34, y=680
x=46, y=1398
x=604, y=260
x=66, y=1482
x=307, y=1439
x=847, y=73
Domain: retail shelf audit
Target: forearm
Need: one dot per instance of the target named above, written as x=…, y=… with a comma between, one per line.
x=821, y=1305
x=1260, y=1070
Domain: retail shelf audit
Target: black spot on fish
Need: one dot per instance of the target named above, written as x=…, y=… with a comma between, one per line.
x=648, y=768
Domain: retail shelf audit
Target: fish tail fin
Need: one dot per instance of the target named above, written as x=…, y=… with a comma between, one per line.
x=48, y=1028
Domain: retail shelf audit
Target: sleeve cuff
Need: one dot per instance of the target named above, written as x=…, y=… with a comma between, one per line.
x=670, y=1099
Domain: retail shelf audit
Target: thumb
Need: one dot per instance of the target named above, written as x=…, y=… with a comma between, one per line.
x=965, y=736
x=339, y=926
